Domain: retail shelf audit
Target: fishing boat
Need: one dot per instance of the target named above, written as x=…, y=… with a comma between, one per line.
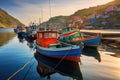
x=70, y=36
x=48, y=66
x=75, y=36
x=48, y=45
x=32, y=31
x=19, y=29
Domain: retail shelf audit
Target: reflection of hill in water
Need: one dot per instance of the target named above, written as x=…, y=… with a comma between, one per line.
x=5, y=37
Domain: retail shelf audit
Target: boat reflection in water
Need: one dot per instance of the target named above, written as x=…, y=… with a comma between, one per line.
x=93, y=52
x=21, y=38
x=31, y=43
x=48, y=66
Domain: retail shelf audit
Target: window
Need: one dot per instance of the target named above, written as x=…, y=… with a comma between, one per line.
x=53, y=35
x=40, y=35
x=50, y=35
x=46, y=35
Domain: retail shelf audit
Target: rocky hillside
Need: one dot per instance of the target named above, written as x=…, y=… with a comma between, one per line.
x=7, y=21
x=86, y=13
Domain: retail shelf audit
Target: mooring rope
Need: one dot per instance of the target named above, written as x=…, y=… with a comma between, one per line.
x=62, y=58
x=28, y=70
x=15, y=73
x=65, y=54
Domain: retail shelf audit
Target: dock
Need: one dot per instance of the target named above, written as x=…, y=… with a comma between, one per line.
x=109, y=37
x=104, y=33
x=101, y=31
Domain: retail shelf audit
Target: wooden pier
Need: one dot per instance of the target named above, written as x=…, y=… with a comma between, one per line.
x=104, y=33
x=109, y=37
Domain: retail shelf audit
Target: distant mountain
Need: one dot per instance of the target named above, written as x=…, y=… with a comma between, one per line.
x=7, y=21
x=86, y=13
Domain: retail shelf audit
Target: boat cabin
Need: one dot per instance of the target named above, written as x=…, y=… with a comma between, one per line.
x=47, y=38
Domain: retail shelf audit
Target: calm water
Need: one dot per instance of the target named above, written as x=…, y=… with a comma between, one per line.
x=102, y=64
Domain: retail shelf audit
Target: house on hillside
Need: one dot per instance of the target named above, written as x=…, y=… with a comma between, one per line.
x=77, y=19
x=88, y=27
x=98, y=14
x=111, y=8
x=118, y=10
x=105, y=16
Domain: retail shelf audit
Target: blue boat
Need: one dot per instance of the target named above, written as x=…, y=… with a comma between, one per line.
x=21, y=31
x=48, y=45
x=92, y=41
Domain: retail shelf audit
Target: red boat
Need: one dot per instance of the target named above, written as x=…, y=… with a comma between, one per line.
x=48, y=45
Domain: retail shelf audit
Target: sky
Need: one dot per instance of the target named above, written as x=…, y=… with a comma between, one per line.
x=27, y=11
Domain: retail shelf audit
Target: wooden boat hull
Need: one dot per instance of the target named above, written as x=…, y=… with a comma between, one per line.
x=68, y=53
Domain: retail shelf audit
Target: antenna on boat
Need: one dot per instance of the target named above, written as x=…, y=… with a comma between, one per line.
x=50, y=8
x=41, y=17
x=41, y=14
x=39, y=24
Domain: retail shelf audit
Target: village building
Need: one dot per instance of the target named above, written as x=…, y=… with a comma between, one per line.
x=111, y=8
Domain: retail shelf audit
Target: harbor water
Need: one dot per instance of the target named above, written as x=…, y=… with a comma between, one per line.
x=19, y=61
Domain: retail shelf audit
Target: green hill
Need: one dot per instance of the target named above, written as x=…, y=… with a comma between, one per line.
x=86, y=12
x=7, y=20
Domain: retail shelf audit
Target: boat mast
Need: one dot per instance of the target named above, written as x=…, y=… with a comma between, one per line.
x=50, y=8
x=41, y=17
x=48, y=25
